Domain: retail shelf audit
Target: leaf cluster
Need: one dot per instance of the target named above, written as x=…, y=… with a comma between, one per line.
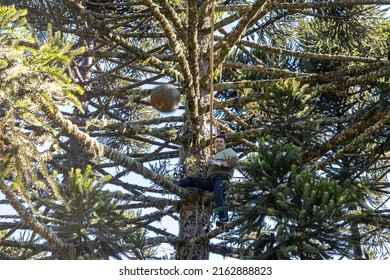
x=293, y=212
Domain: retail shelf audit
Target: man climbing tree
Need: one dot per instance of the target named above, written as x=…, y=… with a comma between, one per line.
x=219, y=169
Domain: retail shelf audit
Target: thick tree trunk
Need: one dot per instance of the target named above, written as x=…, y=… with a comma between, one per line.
x=358, y=250
x=195, y=213
x=194, y=221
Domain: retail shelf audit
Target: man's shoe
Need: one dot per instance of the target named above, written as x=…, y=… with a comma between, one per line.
x=221, y=223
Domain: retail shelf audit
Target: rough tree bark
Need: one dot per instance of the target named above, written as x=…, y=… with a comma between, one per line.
x=196, y=212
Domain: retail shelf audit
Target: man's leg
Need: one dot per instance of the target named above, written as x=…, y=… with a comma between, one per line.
x=196, y=182
x=219, y=196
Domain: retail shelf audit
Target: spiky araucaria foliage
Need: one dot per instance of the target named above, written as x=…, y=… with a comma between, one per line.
x=292, y=212
x=64, y=219
x=29, y=71
x=94, y=220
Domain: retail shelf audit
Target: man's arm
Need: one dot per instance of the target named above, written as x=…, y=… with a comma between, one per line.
x=231, y=163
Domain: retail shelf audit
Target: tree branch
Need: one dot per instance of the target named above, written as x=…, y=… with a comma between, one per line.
x=224, y=46
x=369, y=125
x=120, y=40
x=99, y=149
x=383, y=120
x=65, y=250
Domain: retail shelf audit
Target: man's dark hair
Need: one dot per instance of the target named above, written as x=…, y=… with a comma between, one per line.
x=221, y=136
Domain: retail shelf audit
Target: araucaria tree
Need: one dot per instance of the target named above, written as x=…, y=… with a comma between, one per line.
x=89, y=168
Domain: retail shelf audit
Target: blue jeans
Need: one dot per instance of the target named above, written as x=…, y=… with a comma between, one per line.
x=215, y=184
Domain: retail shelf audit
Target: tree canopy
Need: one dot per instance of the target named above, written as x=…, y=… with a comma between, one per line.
x=89, y=168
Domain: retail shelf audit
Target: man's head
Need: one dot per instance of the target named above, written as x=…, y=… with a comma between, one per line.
x=220, y=143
